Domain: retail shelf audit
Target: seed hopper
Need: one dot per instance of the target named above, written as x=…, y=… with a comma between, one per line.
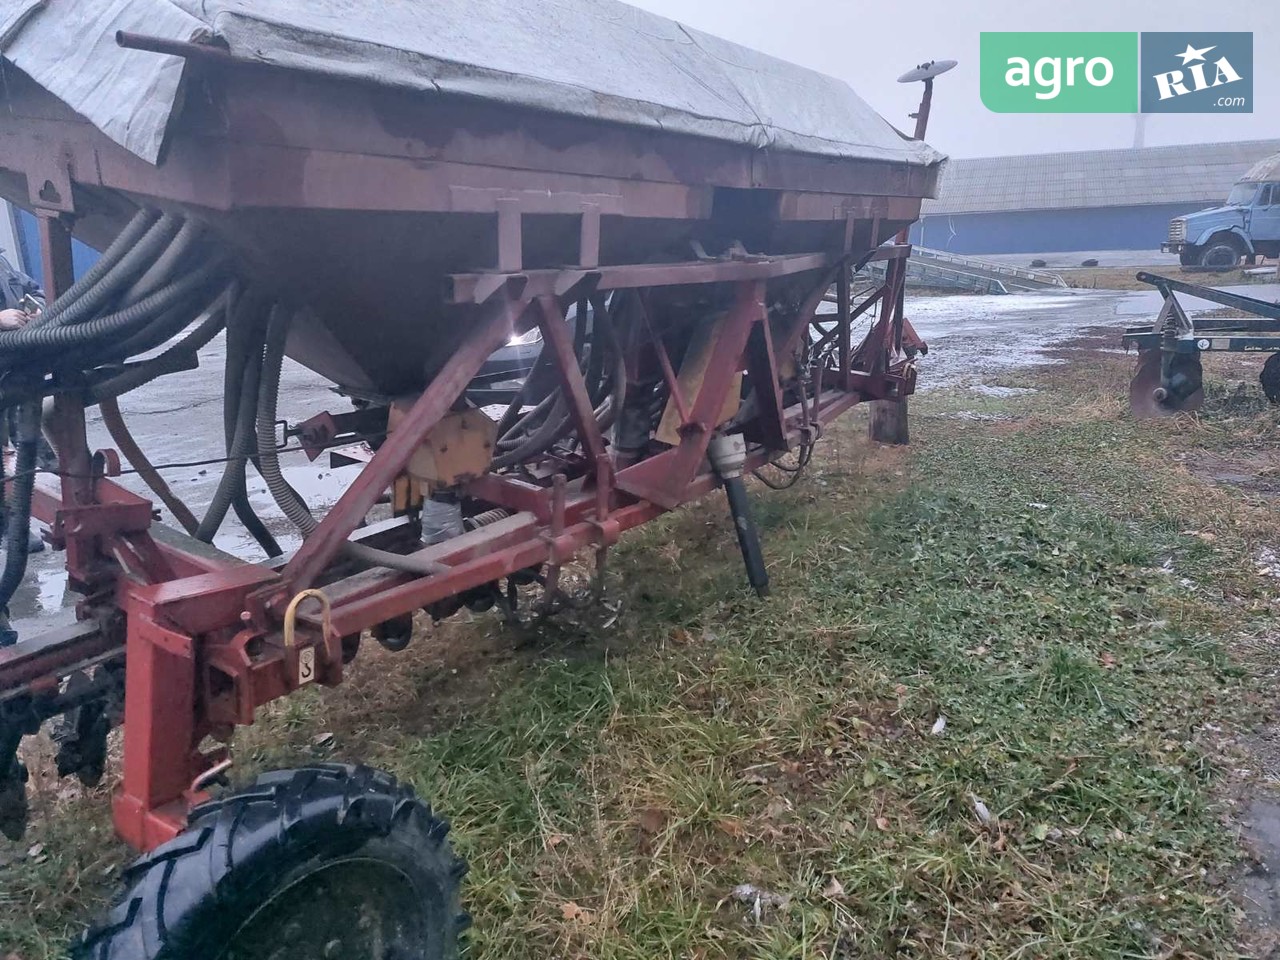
x=393, y=202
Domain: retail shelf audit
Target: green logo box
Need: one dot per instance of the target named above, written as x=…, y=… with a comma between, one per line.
x=1059, y=72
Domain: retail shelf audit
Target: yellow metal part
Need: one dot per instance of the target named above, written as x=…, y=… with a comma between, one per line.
x=406, y=495
x=291, y=616
x=458, y=448
x=693, y=369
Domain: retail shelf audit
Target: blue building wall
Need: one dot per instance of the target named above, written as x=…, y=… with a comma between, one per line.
x=1050, y=231
x=82, y=255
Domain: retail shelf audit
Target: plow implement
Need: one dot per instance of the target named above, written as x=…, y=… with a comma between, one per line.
x=548, y=316
x=1169, y=378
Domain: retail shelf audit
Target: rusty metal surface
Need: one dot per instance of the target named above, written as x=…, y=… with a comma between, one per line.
x=364, y=202
x=1152, y=397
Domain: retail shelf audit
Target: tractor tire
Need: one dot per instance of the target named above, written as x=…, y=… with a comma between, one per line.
x=1222, y=253
x=1270, y=378
x=319, y=862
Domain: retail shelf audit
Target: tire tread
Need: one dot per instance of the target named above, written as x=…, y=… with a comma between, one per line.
x=172, y=892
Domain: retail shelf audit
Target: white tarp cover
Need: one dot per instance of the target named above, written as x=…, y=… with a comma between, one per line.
x=69, y=48
x=589, y=58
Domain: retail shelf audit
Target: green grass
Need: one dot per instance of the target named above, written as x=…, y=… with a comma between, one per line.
x=789, y=744
x=611, y=787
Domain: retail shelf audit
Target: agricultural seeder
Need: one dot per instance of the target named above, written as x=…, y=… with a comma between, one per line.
x=393, y=204
x=1169, y=378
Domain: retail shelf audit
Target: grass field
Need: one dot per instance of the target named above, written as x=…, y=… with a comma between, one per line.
x=1125, y=278
x=999, y=705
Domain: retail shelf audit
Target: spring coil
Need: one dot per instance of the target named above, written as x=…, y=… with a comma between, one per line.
x=488, y=518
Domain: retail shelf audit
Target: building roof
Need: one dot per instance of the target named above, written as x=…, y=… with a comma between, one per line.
x=1189, y=173
x=1264, y=170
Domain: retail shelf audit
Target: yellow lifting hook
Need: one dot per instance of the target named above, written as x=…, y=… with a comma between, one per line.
x=307, y=656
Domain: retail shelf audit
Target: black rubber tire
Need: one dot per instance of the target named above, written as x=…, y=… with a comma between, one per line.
x=1270, y=378
x=201, y=896
x=1190, y=256
x=1222, y=253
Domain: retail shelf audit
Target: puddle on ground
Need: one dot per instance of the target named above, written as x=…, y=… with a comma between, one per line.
x=972, y=337
x=987, y=390
x=1257, y=882
x=974, y=416
x=1255, y=472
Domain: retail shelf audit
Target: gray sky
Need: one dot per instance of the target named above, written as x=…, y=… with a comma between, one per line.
x=869, y=44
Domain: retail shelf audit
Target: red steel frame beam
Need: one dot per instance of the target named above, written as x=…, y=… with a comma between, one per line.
x=515, y=550
x=512, y=545
x=39, y=663
x=663, y=478
x=66, y=425
x=478, y=287
x=555, y=333
x=664, y=359
x=160, y=731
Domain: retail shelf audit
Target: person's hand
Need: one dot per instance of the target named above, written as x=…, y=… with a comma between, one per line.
x=13, y=319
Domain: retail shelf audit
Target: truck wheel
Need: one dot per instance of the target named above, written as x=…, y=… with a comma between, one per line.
x=1222, y=253
x=1189, y=256
x=327, y=861
x=1270, y=378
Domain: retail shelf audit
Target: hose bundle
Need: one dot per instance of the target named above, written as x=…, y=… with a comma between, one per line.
x=159, y=277
x=155, y=280
x=164, y=275
x=524, y=435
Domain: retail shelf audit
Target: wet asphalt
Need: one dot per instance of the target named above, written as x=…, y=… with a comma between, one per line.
x=178, y=420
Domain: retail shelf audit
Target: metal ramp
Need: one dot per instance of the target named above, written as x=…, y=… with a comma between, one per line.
x=939, y=269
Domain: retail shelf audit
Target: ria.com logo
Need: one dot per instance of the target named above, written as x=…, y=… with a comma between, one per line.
x=1117, y=72
x=1197, y=73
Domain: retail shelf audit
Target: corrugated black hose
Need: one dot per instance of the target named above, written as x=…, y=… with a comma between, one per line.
x=18, y=514
x=165, y=265
x=178, y=357
x=247, y=407
x=128, y=238
x=36, y=339
x=163, y=328
x=96, y=298
x=241, y=382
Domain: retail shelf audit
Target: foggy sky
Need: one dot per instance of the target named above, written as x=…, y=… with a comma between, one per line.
x=870, y=45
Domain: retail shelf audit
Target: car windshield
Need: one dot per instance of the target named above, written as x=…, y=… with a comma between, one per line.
x=1241, y=194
